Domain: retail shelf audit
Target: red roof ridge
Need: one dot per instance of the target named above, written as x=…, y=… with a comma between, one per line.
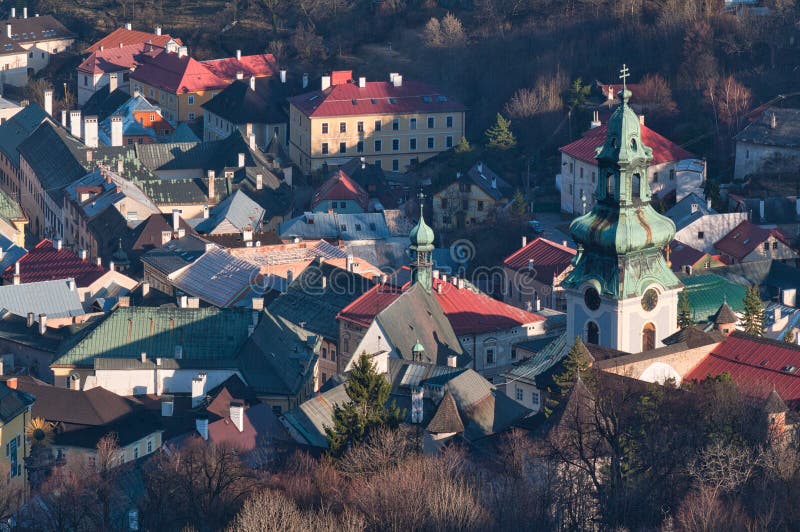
x=664, y=150
x=531, y=244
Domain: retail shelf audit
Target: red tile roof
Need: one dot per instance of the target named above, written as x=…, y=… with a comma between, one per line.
x=550, y=259
x=46, y=263
x=664, y=150
x=126, y=37
x=756, y=365
x=376, y=97
x=340, y=187
x=746, y=237
x=259, y=66
x=467, y=311
x=174, y=74
x=118, y=59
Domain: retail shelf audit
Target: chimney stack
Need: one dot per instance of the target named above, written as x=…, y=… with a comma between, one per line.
x=13, y=12
x=198, y=389
x=90, y=131
x=128, y=26
x=259, y=181
x=239, y=75
x=42, y=323
x=205, y=212
x=211, y=194
x=64, y=118
x=325, y=83
x=98, y=261
x=183, y=51
x=238, y=55
x=176, y=220
x=113, y=82
x=253, y=83
x=641, y=120
x=31, y=319
x=241, y=160
x=24, y=12
x=75, y=123
x=251, y=141
x=183, y=301
x=283, y=76
x=116, y=131
x=16, y=279
x=773, y=121
x=8, y=30
x=362, y=82
x=398, y=80
x=237, y=415
x=595, y=120
x=48, y=102
x=305, y=76
x=111, y=265
x=158, y=30
x=452, y=361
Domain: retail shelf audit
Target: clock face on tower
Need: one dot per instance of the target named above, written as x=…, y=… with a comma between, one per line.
x=592, y=298
x=650, y=299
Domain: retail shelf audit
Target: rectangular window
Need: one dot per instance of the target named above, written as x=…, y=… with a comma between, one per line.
x=449, y=120
x=775, y=245
x=395, y=165
x=378, y=125
x=396, y=124
x=490, y=356
x=430, y=143
x=520, y=394
x=535, y=398
x=378, y=145
x=672, y=175
x=513, y=353
x=480, y=205
x=360, y=146
x=324, y=148
x=324, y=128
x=412, y=123
x=342, y=147
x=342, y=127
x=360, y=127
x=191, y=116
x=191, y=98
x=766, y=246
x=324, y=378
x=149, y=446
x=465, y=204
x=701, y=235
x=655, y=177
x=581, y=171
x=444, y=203
x=448, y=141
x=431, y=122
x=395, y=144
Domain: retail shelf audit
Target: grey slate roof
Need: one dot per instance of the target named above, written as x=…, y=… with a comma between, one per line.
x=786, y=132
x=56, y=157
x=11, y=253
x=689, y=209
x=233, y=214
x=53, y=298
x=334, y=226
x=18, y=128
x=446, y=419
x=175, y=254
x=218, y=278
x=549, y=356
x=489, y=182
x=13, y=402
x=102, y=104
x=239, y=105
x=766, y=274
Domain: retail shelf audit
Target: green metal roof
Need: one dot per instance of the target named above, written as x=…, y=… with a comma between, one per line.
x=203, y=334
x=708, y=292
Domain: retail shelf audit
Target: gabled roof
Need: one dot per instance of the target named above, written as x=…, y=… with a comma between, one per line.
x=17, y=128
x=103, y=103
x=56, y=158
x=681, y=255
x=147, y=235
x=446, y=419
x=232, y=215
x=543, y=361
x=693, y=337
x=119, y=58
x=550, y=259
x=688, y=209
x=707, y=292
x=56, y=299
x=13, y=402
x=218, y=278
x=377, y=97
x=128, y=37
x=175, y=254
x=664, y=150
x=725, y=314
x=746, y=237
x=34, y=29
x=228, y=68
x=176, y=74
x=335, y=226
x=786, y=132
x=489, y=182
x=756, y=365
x=340, y=187
x=44, y=263
x=239, y=105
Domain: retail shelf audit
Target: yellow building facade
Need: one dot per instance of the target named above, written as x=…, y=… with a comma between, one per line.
x=15, y=415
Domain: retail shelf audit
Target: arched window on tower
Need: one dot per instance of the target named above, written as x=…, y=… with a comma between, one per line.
x=648, y=337
x=610, y=185
x=636, y=183
x=592, y=333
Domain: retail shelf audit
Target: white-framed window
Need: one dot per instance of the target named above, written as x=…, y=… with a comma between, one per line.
x=342, y=127
x=448, y=141
x=395, y=124
x=395, y=144
x=395, y=165
x=520, y=394
x=490, y=355
x=149, y=446
x=412, y=144
x=378, y=145
x=431, y=122
x=431, y=142
x=535, y=398
x=191, y=98
x=324, y=148
x=191, y=116
x=412, y=123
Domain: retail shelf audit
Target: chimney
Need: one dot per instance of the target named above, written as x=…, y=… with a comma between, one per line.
x=42, y=323
x=31, y=319
x=363, y=163
x=283, y=76
x=8, y=30
x=362, y=82
x=239, y=75
x=210, y=184
x=167, y=405
x=324, y=282
x=257, y=303
x=259, y=181
x=349, y=263
x=237, y=415
x=610, y=95
x=398, y=80
x=183, y=301
x=708, y=203
x=64, y=118
x=111, y=265
x=238, y=55
x=305, y=80
x=113, y=82
x=75, y=123
x=183, y=51
x=460, y=283
x=116, y=131
x=2, y=254
x=201, y=424
x=59, y=244
x=205, y=212
x=524, y=240
x=538, y=305
x=253, y=83
x=773, y=121
x=761, y=211
x=452, y=361
x=198, y=389
x=124, y=301
x=436, y=274
x=241, y=160
x=48, y=101
x=71, y=285
x=326, y=82
x=13, y=12
x=176, y=220
x=16, y=278
x=98, y=262
x=595, y=120
x=158, y=30
x=90, y=131
x=145, y=289
x=494, y=182
x=641, y=120
x=530, y=264
x=24, y=12
x=247, y=234
x=128, y=26
x=12, y=382
x=289, y=277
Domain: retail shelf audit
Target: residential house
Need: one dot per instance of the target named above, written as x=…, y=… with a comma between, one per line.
x=253, y=106
x=393, y=123
x=749, y=242
x=77, y=420
x=578, y=176
x=137, y=121
x=236, y=214
x=8, y=109
x=180, y=84
x=162, y=262
x=472, y=199
x=684, y=258
x=15, y=414
x=28, y=43
x=783, y=211
x=781, y=322
x=533, y=275
x=12, y=133
x=528, y=382
x=49, y=303
x=698, y=225
x=707, y=292
x=341, y=195
x=769, y=145
x=335, y=227
x=126, y=35
x=313, y=300
x=12, y=220
x=386, y=189
x=776, y=280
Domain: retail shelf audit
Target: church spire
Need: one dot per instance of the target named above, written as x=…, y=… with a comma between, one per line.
x=422, y=238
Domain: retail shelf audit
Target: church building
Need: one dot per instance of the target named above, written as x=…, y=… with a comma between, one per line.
x=622, y=293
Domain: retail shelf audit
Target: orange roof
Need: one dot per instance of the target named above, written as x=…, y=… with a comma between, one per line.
x=124, y=37
x=340, y=187
x=549, y=258
x=175, y=74
x=664, y=150
x=118, y=59
x=259, y=66
x=745, y=238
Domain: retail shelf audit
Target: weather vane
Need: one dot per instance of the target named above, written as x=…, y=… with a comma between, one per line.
x=624, y=73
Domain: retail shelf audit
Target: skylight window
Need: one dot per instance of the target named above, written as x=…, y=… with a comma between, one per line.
x=355, y=102
x=373, y=101
x=427, y=99
x=313, y=98
x=392, y=100
x=441, y=98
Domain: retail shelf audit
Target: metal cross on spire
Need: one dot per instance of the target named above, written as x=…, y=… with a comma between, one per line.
x=624, y=73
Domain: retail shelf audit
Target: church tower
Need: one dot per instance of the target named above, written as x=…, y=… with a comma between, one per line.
x=622, y=293
x=422, y=237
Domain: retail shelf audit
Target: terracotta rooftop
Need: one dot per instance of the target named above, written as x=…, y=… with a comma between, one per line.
x=125, y=37
x=376, y=97
x=745, y=238
x=174, y=73
x=259, y=66
x=340, y=187
x=549, y=258
x=46, y=263
x=117, y=59
x=664, y=150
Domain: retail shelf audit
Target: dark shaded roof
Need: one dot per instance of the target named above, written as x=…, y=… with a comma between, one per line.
x=175, y=254
x=693, y=337
x=745, y=238
x=688, y=209
x=56, y=158
x=45, y=263
x=33, y=30
x=236, y=240
x=446, y=419
x=774, y=404
x=308, y=302
x=14, y=329
x=786, y=132
x=489, y=182
x=103, y=104
x=12, y=402
x=725, y=314
x=239, y=105
x=17, y=128
x=707, y=292
x=773, y=273
x=147, y=235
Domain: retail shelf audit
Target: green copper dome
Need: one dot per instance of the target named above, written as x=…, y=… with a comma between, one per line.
x=421, y=235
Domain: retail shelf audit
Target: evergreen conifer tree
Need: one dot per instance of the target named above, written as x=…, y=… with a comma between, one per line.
x=753, y=316
x=577, y=363
x=685, y=311
x=367, y=409
x=500, y=136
